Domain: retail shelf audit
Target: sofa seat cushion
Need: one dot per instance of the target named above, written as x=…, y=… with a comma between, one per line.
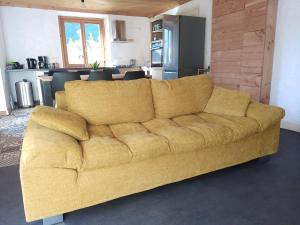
x=99, y=152
x=240, y=127
x=180, y=97
x=157, y=124
x=188, y=119
x=100, y=131
x=145, y=145
x=213, y=133
x=111, y=102
x=181, y=139
x=127, y=128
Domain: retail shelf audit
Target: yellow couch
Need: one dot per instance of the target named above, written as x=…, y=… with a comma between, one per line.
x=140, y=135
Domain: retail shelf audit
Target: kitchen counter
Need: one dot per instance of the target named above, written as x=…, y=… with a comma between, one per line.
x=26, y=70
x=39, y=76
x=13, y=76
x=46, y=92
x=118, y=76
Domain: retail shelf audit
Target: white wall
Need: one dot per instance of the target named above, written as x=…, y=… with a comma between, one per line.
x=29, y=33
x=202, y=8
x=137, y=29
x=285, y=91
x=34, y=32
x=4, y=100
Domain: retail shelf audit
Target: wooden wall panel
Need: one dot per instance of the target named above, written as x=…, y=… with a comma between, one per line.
x=227, y=32
x=224, y=7
x=227, y=55
x=255, y=15
x=269, y=51
x=242, y=45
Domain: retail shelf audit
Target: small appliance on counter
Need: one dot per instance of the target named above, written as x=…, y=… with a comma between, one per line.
x=14, y=66
x=132, y=62
x=31, y=63
x=43, y=62
x=53, y=66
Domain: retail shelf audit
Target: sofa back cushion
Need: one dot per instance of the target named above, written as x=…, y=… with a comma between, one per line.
x=228, y=102
x=182, y=96
x=62, y=121
x=110, y=102
x=60, y=100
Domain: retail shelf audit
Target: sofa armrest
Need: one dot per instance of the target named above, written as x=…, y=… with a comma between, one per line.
x=265, y=115
x=61, y=100
x=47, y=148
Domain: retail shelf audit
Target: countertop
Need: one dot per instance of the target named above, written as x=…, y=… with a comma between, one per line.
x=25, y=70
x=85, y=77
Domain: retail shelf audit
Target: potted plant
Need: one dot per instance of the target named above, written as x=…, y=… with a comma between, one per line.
x=95, y=66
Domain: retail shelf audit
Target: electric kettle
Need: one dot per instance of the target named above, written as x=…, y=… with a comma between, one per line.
x=31, y=63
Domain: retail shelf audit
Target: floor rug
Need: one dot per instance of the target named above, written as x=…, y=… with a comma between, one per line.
x=11, y=136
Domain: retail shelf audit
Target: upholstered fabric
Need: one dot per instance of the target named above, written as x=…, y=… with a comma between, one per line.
x=129, y=150
x=147, y=174
x=100, y=131
x=188, y=119
x=145, y=145
x=157, y=124
x=47, y=148
x=101, y=152
x=265, y=115
x=62, y=121
x=212, y=132
x=111, y=102
x=181, y=139
x=239, y=127
x=68, y=190
x=180, y=97
x=127, y=128
x=60, y=100
x=228, y=102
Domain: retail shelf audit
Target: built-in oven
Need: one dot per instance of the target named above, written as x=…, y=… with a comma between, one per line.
x=157, y=53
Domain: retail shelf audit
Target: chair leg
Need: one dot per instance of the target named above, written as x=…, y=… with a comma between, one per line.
x=53, y=220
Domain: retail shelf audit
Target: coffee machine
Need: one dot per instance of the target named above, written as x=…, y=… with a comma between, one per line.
x=43, y=62
x=32, y=63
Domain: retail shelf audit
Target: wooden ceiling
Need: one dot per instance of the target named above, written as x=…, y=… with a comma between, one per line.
x=147, y=8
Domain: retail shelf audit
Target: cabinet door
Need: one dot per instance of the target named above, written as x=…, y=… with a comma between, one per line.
x=191, y=45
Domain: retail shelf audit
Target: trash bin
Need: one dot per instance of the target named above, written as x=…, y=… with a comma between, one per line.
x=24, y=94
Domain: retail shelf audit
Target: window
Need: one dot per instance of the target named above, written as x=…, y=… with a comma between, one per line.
x=82, y=41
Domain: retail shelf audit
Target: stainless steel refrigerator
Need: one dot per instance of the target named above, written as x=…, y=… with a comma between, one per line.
x=179, y=49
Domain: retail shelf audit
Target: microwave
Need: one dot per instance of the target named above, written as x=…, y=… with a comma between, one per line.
x=157, y=57
x=156, y=44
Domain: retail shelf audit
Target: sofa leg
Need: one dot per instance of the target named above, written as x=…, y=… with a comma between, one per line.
x=53, y=220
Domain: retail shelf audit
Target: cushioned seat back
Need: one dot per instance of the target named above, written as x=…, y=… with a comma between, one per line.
x=182, y=96
x=111, y=102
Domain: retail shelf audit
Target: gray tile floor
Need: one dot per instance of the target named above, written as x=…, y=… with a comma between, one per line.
x=256, y=193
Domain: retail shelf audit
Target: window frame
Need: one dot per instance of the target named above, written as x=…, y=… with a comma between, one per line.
x=82, y=21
